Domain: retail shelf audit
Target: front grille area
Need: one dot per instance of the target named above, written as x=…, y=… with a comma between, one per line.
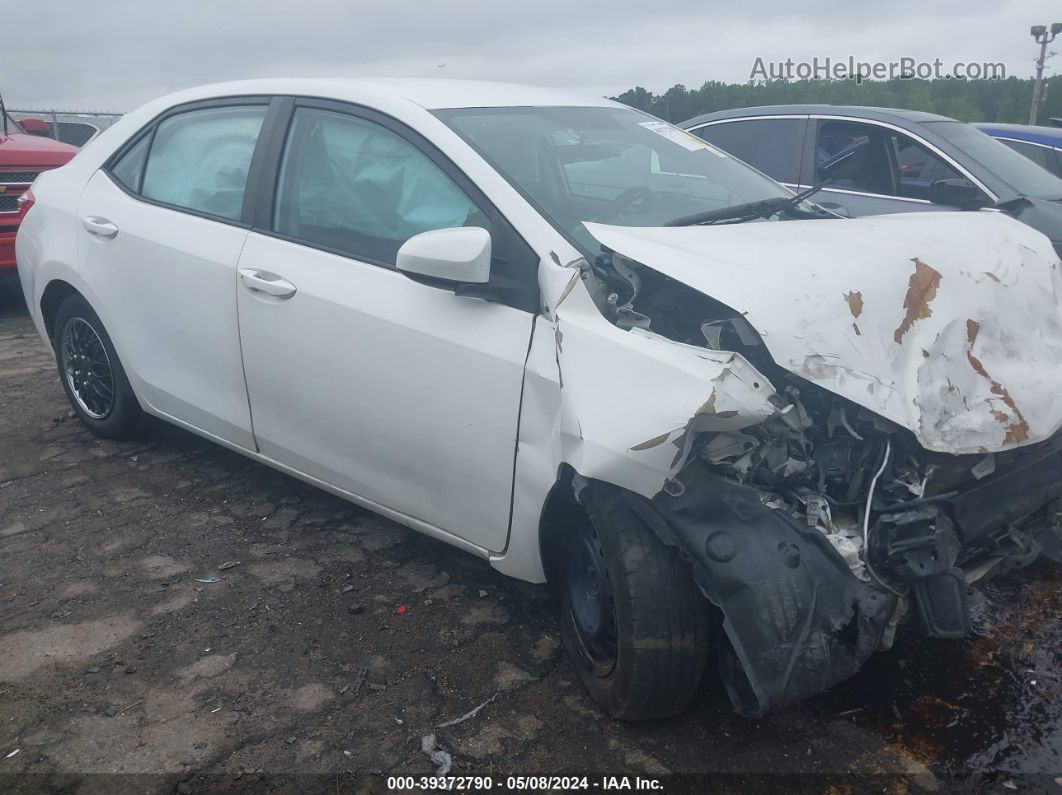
x=8, y=204
x=18, y=177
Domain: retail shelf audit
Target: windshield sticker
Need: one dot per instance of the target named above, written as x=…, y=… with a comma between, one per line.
x=683, y=139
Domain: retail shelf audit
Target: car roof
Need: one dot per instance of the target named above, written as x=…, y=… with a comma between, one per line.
x=858, y=111
x=428, y=93
x=1049, y=136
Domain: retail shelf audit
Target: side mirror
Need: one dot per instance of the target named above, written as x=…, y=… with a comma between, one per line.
x=35, y=126
x=450, y=256
x=959, y=193
x=835, y=208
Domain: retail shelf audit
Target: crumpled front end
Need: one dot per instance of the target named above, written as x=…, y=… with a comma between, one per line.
x=838, y=423
x=798, y=622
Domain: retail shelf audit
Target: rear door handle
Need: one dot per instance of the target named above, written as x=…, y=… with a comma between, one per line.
x=268, y=283
x=100, y=227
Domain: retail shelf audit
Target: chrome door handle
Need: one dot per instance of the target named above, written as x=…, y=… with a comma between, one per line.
x=268, y=283
x=100, y=227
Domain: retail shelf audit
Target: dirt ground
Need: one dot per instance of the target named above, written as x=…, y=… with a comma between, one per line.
x=171, y=609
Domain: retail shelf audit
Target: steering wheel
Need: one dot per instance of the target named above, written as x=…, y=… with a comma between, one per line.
x=639, y=194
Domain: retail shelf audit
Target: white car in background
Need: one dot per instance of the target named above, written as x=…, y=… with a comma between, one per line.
x=579, y=343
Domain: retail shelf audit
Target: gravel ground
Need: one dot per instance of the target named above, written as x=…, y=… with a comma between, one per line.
x=171, y=609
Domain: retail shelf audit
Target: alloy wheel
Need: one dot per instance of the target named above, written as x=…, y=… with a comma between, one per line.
x=87, y=368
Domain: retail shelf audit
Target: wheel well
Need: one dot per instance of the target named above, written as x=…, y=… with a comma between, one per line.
x=560, y=513
x=55, y=293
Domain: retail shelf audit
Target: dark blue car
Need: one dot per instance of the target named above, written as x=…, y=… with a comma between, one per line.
x=871, y=161
x=1042, y=145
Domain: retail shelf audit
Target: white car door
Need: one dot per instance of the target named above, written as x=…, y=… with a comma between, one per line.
x=161, y=229
x=401, y=393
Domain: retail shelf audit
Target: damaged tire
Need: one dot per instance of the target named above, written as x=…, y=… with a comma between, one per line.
x=632, y=619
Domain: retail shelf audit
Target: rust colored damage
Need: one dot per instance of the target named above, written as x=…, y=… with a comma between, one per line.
x=649, y=444
x=921, y=289
x=854, y=299
x=1017, y=430
x=707, y=408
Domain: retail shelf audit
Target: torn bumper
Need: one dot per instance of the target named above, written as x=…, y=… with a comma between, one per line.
x=1012, y=494
x=797, y=620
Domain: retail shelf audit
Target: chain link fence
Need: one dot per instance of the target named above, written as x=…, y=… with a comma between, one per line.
x=69, y=126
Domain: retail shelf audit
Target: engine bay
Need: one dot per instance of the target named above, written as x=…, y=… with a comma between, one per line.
x=885, y=504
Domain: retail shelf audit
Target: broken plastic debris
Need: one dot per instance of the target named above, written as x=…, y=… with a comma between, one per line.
x=470, y=714
x=437, y=755
x=401, y=609
x=359, y=678
x=19, y=749
x=208, y=580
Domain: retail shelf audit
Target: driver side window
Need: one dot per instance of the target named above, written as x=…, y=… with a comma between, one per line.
x=350, y=185
x=873, y=159
x=854, y=157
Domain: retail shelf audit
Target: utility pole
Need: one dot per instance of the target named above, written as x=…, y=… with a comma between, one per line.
x=1043, y=38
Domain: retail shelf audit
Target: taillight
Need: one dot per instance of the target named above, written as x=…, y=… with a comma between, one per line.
x=25, y=201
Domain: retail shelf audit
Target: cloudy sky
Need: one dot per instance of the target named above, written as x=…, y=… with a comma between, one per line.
x=115, y=54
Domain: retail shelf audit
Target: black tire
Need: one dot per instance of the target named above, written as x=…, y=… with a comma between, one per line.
x=660, y=620
x=82, y=346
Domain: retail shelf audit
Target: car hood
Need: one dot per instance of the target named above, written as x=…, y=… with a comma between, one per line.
x=949, y=324
x=19, y=149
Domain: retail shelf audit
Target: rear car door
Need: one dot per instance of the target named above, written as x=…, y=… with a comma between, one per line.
x=772, y=144
x=400, y=393
x=161, y=229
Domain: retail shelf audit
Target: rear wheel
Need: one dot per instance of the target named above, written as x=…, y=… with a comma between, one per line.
x=92, y=376
x=632, y=619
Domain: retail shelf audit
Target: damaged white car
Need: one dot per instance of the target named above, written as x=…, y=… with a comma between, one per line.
x=584, y=345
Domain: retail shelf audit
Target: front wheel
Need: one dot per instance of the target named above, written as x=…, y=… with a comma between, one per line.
x=632, y=619
x=92, y=376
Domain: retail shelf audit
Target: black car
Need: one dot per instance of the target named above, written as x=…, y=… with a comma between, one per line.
x=881, y=160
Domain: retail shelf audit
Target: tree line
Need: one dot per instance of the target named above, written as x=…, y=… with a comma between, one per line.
x=967, y=100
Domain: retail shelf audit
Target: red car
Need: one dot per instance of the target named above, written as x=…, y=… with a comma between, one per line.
x=22, y=158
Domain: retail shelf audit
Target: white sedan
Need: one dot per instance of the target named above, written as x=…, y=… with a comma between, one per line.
x=579, y=343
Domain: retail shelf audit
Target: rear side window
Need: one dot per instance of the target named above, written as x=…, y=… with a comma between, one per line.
x=130, y=167
x=200, y=159
x=350, y=185
x=771, y=145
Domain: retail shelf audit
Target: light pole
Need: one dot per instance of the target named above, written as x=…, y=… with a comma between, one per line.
x=1043, y=38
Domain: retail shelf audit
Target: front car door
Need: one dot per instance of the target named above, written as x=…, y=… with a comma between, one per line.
x=874, y=168
x=162, y=226
x=400, y=393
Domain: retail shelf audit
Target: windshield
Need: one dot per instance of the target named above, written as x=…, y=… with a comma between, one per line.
x=612, y=165
x=1022, y=174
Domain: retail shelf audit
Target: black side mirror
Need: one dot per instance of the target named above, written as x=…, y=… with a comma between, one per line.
x=959, y=193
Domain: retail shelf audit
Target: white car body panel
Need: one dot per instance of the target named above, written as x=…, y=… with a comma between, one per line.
x=165, y=287
x=402, y=393
x=948, y=324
